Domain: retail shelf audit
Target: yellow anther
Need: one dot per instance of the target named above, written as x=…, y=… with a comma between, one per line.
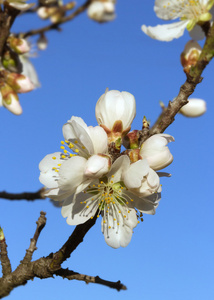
x=53, y=157
x=138, y=222
x=85, y=202
x=98, y=185
x=65, y=151
x=59, y=165
x=121, y=188
x=114, y=219
x=127, y=202
x=63, y=156
x=112, y=176
x=132, y=200
x=83, y=147
x=128, y=211
x=109, y=227
x=70, y=154
x=71, y=145
x=62, y=143
x=119, y=211
x=104, y=221
x=113, y=202
x=67, y=142
x=62, y=147
x=124, y=216
x=75, y=142
x=92, y=217
x=80, y=202
x=87, y=206
x=112, y=181
x=98, y=216
x=56, y=170
x=53, y=168
x=76, y=150
x=118, y=223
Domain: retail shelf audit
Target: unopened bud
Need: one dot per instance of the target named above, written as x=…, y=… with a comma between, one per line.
x=146, y=123
x=70, y=5
x=190, y=55
x=20, y=46
x=1, y=234
x=57, y=17
x=11, y=62
x=194, y=108
x=19, y=83
x=10, y=99
x=42, y=12
x=42, y=42
x=131, y=140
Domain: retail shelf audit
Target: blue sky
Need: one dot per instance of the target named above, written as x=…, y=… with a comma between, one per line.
x=171, y=253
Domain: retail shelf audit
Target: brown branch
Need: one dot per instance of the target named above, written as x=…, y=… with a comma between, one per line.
x=71, y=275
x=7, y=17
x=47, y=267
x=55, y=26
x=5, y=262
x=29, y=196
x=193, y=78
x=40, y=225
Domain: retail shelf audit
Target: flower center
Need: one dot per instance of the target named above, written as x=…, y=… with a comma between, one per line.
x=186, y=9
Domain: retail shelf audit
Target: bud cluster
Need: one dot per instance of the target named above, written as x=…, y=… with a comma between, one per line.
x=102, y=10
x=12, y=81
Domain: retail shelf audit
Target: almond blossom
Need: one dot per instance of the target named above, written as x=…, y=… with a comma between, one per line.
x=190, y=13
x=116, y=197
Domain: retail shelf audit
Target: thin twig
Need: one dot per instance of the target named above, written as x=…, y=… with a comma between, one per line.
x=55, y=26
x=5, y=262
x=40, y=225
x=71, y=275
x=29, y=196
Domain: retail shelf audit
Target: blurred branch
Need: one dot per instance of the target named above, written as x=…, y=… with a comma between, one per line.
x=55, y=26
x=29, y=196
x=193, y=78
x=46, y=267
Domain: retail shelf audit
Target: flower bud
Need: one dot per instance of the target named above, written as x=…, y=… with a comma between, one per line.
x=194, y=108
x=97, y=166
x=10, y=99
x=42, y=42
x=70, y=5
x=115, y=112
x=131, y=140
x=190, y=55
x=42, y=12
x=1, y=234
x=101, y=11
x=20, y=46
x=19, y=83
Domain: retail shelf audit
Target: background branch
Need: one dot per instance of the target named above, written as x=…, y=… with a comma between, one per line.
x=29, y=196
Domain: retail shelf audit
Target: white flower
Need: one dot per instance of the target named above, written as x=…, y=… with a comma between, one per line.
x=29, y=70
x=115, y=112
x=115, y=201
x=155, y=150
x=194, y=108
x=102, y=11
x=190, y=13
x=66, y=173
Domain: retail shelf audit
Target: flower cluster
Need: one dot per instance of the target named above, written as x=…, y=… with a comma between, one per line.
x=17, y=75
x=192, y=14
x=92, y=177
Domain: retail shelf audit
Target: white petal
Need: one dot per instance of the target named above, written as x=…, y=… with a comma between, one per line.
x=119, y=235
x=76, y=212
x=120, y=165
x=99, y=139
x=148, y=204
x=97, y=166
x=71, y=173
x=48, y=176
x=166, y=32
x=133, y=176
x=197, y=33
x=29, y=70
